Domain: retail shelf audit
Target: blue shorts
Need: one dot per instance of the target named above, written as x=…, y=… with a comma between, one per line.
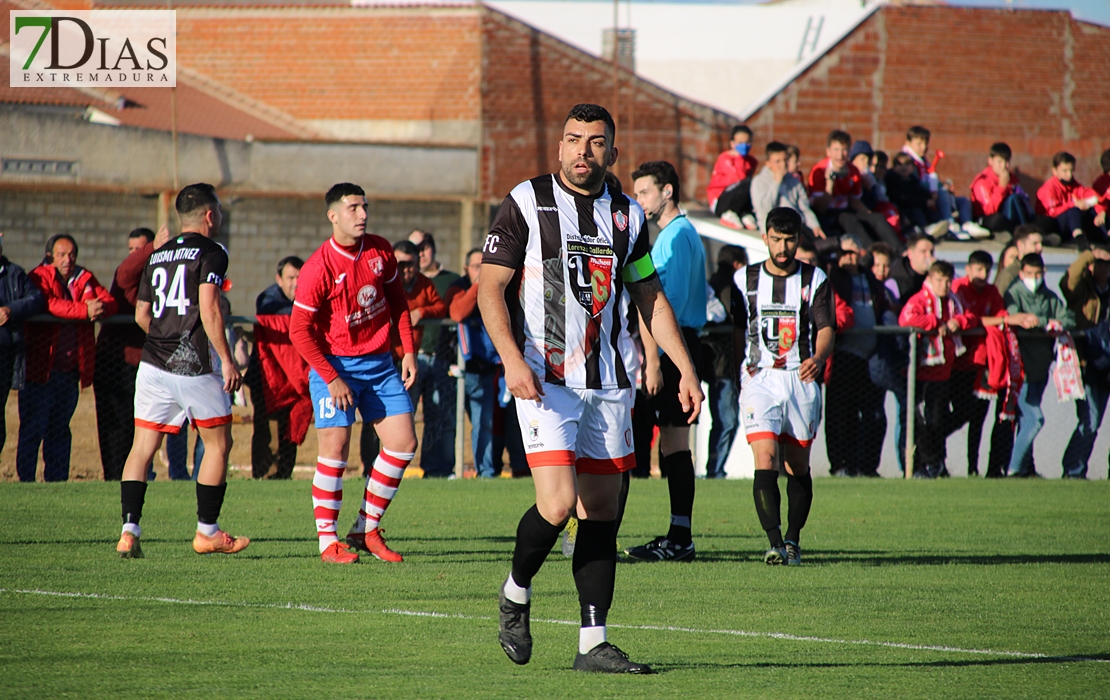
x=375, y=384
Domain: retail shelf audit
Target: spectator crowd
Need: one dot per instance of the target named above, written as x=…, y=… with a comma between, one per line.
x=991, y=330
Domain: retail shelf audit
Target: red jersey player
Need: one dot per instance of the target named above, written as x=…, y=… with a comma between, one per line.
x=348, y=294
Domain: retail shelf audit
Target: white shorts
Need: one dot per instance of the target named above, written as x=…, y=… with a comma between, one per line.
x=589, y=428
x=164, y=400
x=776, y=405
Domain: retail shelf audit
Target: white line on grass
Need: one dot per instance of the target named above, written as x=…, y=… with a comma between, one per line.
x=459, y=616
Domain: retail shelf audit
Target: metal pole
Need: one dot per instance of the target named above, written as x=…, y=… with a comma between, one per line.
x=911, y=405
x=460, y=409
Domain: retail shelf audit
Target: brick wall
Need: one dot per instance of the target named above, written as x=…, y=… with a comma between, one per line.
x=260, y=231
x=531, y=80
x=1034, y=79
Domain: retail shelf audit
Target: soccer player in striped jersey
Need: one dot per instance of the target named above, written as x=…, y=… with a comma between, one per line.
x=348, y=294
x=564, y=258
x=784, y=334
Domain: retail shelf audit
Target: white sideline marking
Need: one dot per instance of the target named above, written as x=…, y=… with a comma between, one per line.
x=459, y=616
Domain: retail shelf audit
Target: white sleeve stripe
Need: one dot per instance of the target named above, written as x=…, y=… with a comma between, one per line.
x=388, y=281
x=305, y=307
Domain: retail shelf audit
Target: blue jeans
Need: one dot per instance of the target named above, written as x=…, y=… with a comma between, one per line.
x=724, y=405
x=438, y=389
x=1029, y=423
x=945, y=201
x=1089, y=411
x=900, y=398
x=44, y=414
x=481, y=394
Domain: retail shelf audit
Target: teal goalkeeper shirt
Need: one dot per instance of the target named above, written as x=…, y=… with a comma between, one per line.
x=679, y=258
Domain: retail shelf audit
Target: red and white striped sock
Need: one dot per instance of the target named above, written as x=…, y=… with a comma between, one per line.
x=381, y=487
x=327, y=498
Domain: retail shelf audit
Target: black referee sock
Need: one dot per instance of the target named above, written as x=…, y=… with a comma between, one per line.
x=595, y=569
x=799, y=494
x=132, y=495
x=534, y=539
x=680, y=483
x=210, y=499
x=767, y=501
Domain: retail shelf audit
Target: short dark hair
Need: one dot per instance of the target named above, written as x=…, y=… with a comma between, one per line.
x=341, y=190
x=917, y=132
x=793, y=151
x=901, y=158
x=1025, y=231
x=142, y=232
x=470, y=252
x=882, y=158
x=740, y=129
x=918, y=236
x=839, y=136
x=293, y=260
x=1033, y=260
x=406, y=247
x=1063, y=157
x=806, y=247
x=981, y=257
x=429, y=240
x=777, y=147
x=60, y=237
x=1002, y=150
x=943, y=268
x=732, y=254
x=881, y=249
x=1104, y=161
x=662, y=172
x=589, y=113
x=785, y=220
x=193, y=198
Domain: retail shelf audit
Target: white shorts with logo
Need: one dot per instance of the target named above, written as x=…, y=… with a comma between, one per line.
x=163, y=400
x=776, y=405
x=589, y=428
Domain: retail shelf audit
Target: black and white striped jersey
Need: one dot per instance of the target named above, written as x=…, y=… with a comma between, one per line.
x=574, y=255
x=781, y=315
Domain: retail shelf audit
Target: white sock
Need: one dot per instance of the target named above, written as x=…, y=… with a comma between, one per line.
x=133, y=528
x=515, y=593
x=208, y=530
x=327, y=541
x=590, y=637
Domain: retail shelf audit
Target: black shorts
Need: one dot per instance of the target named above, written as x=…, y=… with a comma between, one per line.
x=668, y=410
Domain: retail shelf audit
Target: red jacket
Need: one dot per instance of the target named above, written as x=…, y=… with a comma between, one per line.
x=986, y=194
x=284, y=373
x=1056, y=197
x=731, y=167
x=919, y=313
x=1101, y=186
x=978, y=304
x=42, y=338
x=422, y=296
x=128, y=339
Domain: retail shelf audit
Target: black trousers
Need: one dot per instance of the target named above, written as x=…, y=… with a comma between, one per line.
x=1002, y=441
x=931, y=416
x=262, y=457
x=867, y=227
x=855, y=419
x=968, y=408
x=114, y=390
x=737, y=198
x=7, y=361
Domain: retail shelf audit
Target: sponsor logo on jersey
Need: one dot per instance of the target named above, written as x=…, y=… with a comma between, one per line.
x=591, y=279
x=340, y=278
x=620, y=220
x=367, y=295
x=788, y=333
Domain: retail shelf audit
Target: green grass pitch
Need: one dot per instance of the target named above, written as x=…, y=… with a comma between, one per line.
x=946, y=589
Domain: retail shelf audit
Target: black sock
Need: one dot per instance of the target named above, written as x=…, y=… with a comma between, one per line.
x=622, y=500
x=132, y=494
x=534, y=539
x=799, y=494
x=767, y=501
x=595, y=569
x=680, y=482
x=209, y=501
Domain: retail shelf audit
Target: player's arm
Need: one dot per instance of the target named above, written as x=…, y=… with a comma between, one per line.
x=212, y=317
x=821, y=315
x=660, y=323
x=653, y=369
x=520, y=379
x=143, y=315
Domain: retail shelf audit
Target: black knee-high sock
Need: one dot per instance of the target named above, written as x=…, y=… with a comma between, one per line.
x=767, y=502
x=680, y=482
x=799, y=495
x=622, y=501
x=210, y=499
x=132, y=495
x=595, y=569
x=534, y=539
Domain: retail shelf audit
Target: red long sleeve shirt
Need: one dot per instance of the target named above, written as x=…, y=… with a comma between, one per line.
x=1056, y=197
x=987, y=194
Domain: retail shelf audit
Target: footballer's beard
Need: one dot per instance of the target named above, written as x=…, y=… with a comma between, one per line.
x=589, y=180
